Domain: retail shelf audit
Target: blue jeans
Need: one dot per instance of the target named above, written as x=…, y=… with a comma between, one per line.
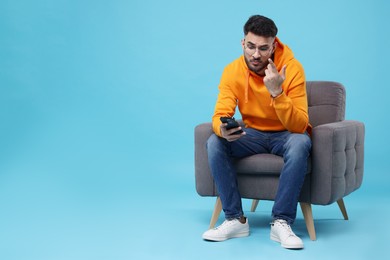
x=294, y=148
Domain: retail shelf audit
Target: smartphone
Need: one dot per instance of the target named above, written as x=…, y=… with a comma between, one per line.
x=231, y=123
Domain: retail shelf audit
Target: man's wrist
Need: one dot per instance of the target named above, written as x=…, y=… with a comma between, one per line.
x=277, y=95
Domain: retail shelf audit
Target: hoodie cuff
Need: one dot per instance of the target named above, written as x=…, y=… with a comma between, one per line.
x=278, y=95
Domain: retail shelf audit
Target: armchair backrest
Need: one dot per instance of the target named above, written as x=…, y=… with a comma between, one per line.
x=326, y=100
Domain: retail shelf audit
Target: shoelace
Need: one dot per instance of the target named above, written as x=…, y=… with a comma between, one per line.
x=284, y=224
x=225, y=224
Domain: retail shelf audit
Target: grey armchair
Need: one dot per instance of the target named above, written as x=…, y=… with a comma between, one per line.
x=335, y=167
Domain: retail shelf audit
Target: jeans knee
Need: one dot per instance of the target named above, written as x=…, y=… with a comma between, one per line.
x=214, y=145
x=211, y=142
x=298, y=144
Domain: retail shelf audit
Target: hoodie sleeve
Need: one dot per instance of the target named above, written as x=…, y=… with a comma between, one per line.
x=226, y=101
x=291, y=106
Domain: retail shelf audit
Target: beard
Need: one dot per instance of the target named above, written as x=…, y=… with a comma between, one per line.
x=256, y=65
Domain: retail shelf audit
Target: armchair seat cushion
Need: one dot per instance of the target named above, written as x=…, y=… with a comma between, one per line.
x=263, y=164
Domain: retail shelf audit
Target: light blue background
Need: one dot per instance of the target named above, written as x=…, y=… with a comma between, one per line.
x=98, y=102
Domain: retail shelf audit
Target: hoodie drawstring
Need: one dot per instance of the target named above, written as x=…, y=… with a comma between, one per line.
x=247, y=86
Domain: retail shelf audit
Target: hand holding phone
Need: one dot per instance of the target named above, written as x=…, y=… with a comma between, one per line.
x=231, y=123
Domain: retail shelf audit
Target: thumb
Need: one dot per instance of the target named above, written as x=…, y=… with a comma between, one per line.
x=283, y=72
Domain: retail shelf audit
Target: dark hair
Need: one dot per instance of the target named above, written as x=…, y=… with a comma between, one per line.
x=261, y=26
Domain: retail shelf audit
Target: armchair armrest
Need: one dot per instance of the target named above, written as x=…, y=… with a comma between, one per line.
x=337, y=160
x=203, y=178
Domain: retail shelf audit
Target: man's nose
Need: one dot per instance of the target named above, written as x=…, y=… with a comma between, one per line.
x=256, y=54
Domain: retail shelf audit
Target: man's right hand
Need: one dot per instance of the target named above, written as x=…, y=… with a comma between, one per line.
x=228, y=134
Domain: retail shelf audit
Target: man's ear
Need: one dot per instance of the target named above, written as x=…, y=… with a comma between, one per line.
x=275, y=45
x=243, y=43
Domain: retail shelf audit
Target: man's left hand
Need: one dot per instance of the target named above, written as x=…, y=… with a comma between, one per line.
x=273, y=79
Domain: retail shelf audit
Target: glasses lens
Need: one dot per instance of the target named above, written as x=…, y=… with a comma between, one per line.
x=263, y=52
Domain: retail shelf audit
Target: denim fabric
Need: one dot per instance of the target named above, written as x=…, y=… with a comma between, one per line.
x=294, y=148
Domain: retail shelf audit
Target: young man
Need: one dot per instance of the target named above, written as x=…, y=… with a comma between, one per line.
x=268, y=85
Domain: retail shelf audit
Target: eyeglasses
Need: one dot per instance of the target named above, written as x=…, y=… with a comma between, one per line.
x=263, y=50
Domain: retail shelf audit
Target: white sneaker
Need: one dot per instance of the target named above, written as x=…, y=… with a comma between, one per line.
x=281, y=232
x=228, y=229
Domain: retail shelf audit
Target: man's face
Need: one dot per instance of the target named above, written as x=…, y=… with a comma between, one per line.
x=257, y=50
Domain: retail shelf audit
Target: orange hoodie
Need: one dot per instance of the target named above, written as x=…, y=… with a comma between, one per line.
x=242, y=87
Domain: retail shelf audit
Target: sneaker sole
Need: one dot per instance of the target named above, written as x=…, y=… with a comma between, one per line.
x=219, y=239
x=276, y=239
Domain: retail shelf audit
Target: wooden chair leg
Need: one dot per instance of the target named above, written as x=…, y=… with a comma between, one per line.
x=216, y=213
x=342, y=208
x=254, y=205
x=308, y=216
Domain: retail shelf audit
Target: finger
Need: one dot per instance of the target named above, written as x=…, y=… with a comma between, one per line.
x=271, y=62
x=232, y=138
x=283, y=72
x=233, y=130
x=272, y=66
